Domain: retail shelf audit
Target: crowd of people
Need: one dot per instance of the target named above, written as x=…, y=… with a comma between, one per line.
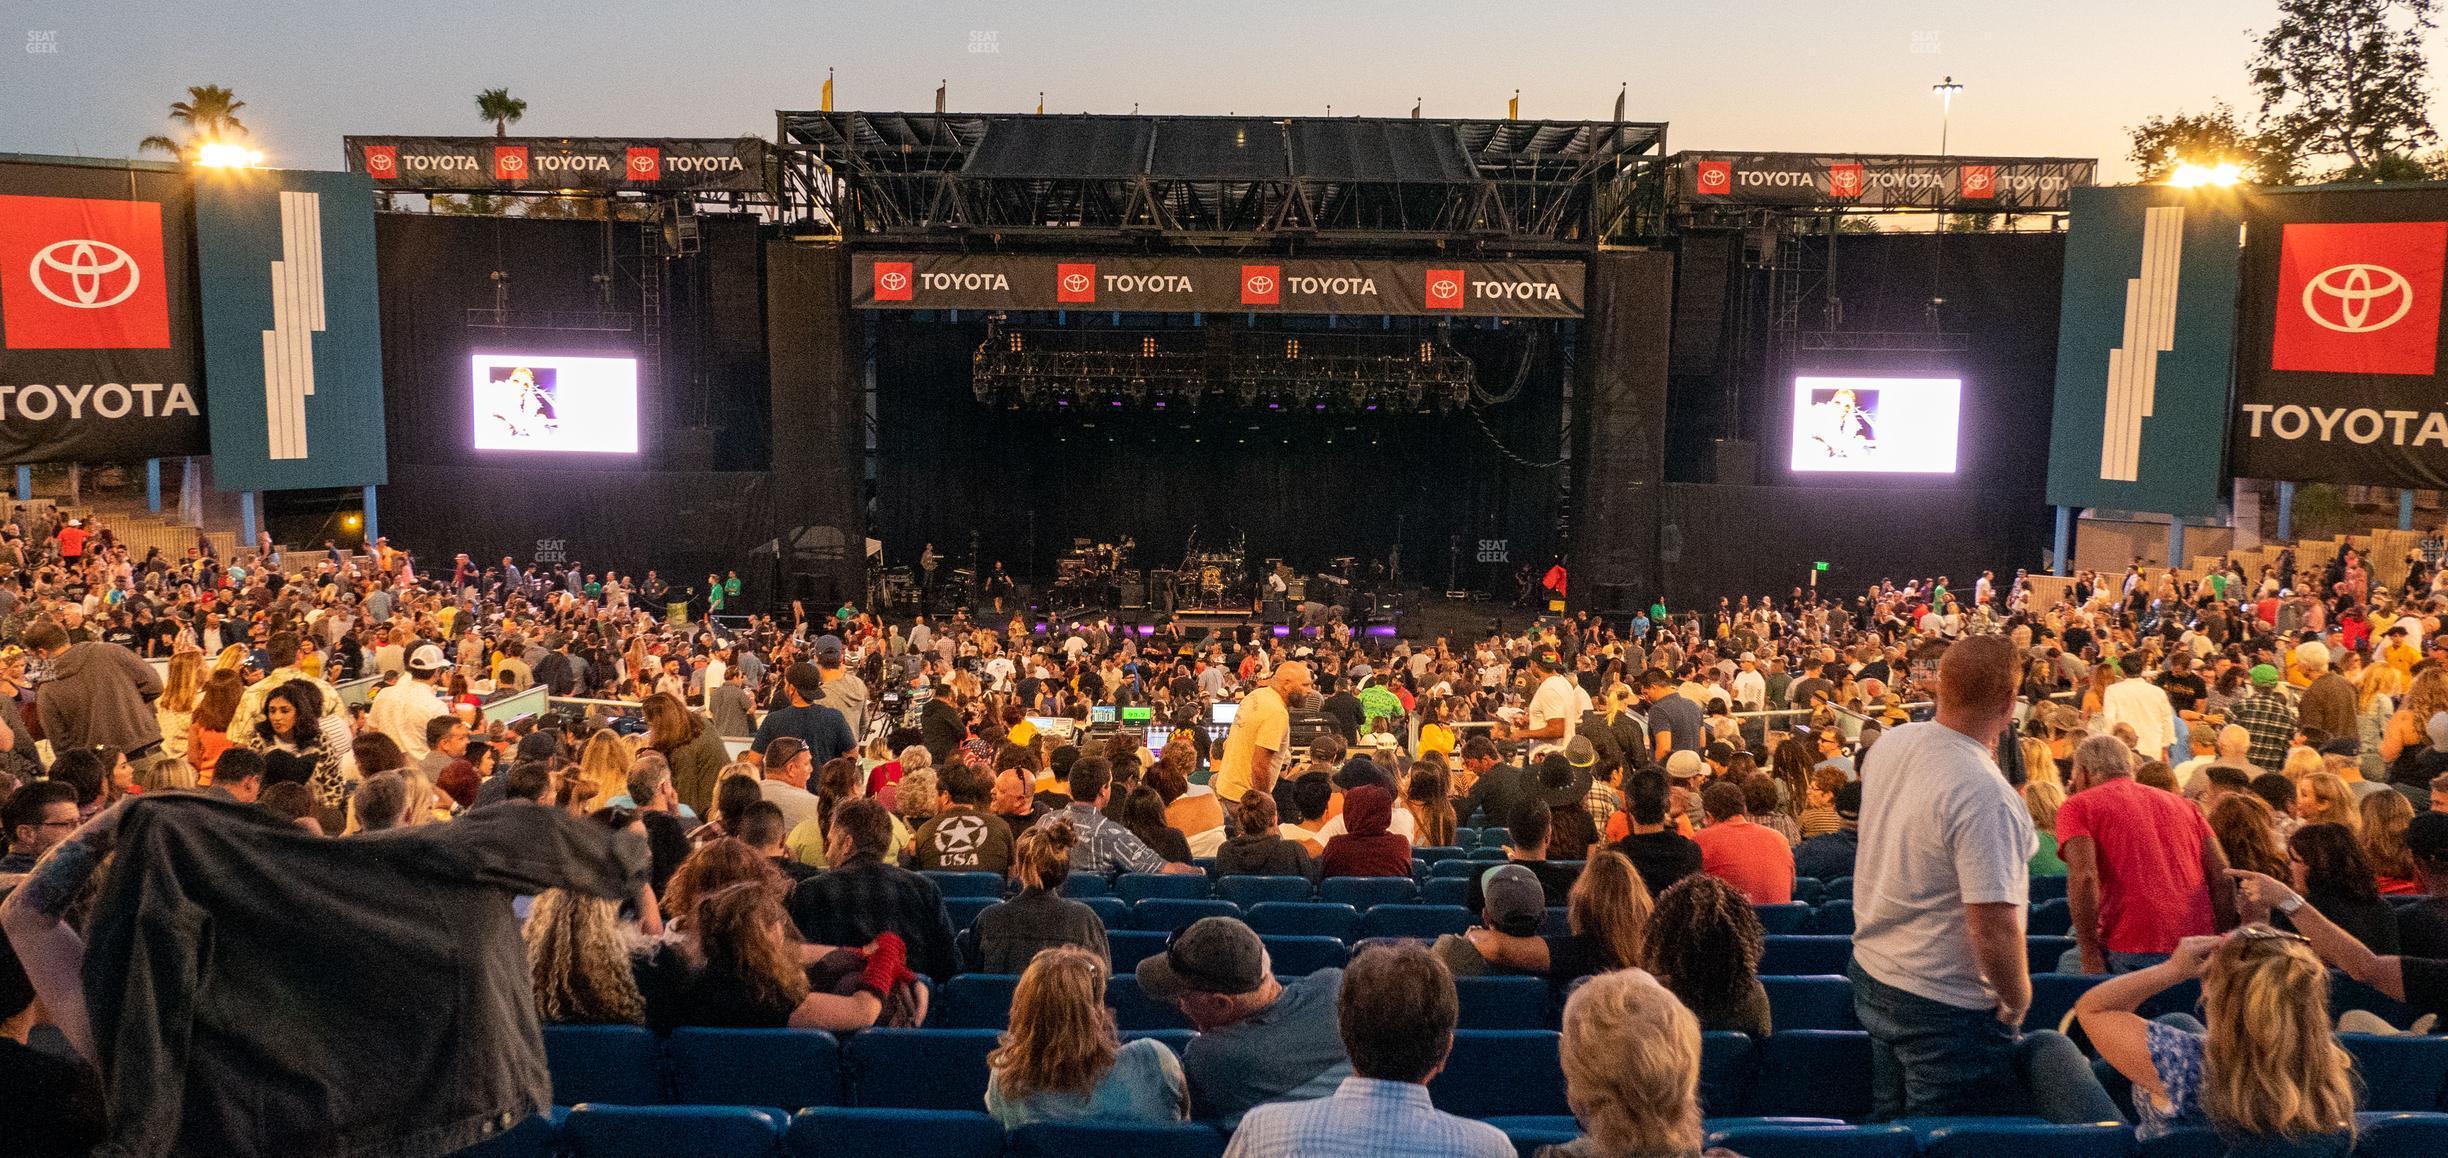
x=725, y=823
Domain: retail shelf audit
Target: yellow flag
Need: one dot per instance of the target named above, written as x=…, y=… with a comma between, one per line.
x=828, y=91
x=1513, y=107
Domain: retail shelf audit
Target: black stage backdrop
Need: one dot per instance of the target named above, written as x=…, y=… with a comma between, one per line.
x=1304, y=487
x=1619, y=547
x=680, y=523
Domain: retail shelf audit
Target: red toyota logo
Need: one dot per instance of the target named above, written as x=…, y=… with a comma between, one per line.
x=1977, y=181
x=1075, y=283
x=1445, y=289
x=895, y=281
x=1845, y=180
x=645, y=163
x=82, y=275
x=509, y=162
x=2359, y=297
x=1261, y=285
x=382, y=161
x=1715, y=177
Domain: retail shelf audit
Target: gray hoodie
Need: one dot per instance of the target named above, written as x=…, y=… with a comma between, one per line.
x=99, y=693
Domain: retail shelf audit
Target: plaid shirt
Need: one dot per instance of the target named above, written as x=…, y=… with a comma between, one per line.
x=1603, y=803
x=2270, y=717
x=1365, y=1118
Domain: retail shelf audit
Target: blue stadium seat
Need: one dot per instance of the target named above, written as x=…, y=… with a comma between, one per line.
x=2186, y=1142
x=1419, y=869
x=2402, y=1136
x=860, y=1132
x=1818, y=1073
x=1728, y=1065
x=1466, y=836
x=1810, y=1003
x=2048, y=888
x=1499, y=1072
x=1367, y=892
x=973, y=1001
x=1176, y=1040
x=955, y=884
x=1205, y=864
x=1986, y=1139
x=1114, y=911
x=2347, y=993
x=2054, y=995
x=1437, y=852
x=1492, y=838
x=602, y=1063
x=1303, y=919
x=1116, y=1140
x=1248, y=891
x=537, y=1137
x=1779, y=920
x=1839, y=889
x=1130, y=946
x=1806, y=956
x=1504, y=1003
x=1809, y=890
x=1080, y=886
x=1170, y=914
x=1414, y=920
x=1302, y=956
x=2399, y=1072
x=1462, y=869
x=2051, y=918
x=787, y=1069
x=1137, y=887
x=1832, y=919
x=965, y=910
x=593, y=1131
x=1135, y=1010
x=1438, y=890
x=919, y=1069
x=2044, y=952
x=1799, y=1141
x=1531, y=1133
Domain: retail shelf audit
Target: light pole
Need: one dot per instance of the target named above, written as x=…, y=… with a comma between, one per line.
x=1946, y=89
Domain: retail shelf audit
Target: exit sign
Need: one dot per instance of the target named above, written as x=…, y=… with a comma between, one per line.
x=1819, y=566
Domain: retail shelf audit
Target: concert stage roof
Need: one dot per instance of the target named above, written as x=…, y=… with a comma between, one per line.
x=944, y=176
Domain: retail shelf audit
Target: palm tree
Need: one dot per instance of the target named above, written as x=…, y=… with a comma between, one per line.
x=210, y=113
x=498, y=106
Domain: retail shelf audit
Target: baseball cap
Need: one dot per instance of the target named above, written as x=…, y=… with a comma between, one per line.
x=1683, y=765
x=427, y=658
x=1515, y=902
x=828, y=645
x=2264, y=675
x=538, y=745
x=1213, y=955
x=806, y=680
x=2437, y=729
x=1848, y=800
x=2341, y=746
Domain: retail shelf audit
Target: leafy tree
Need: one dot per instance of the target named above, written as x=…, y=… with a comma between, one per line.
x=2161, y=143
x=209, y=114
x=498, y=106
x=2392, y=167
x=2345, y=81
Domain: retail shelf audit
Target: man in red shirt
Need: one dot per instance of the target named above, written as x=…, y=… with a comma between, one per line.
x=2142, y=868
x=1753, y=858
x=72, y=541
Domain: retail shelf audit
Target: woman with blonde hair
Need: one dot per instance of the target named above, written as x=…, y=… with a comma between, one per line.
x=182, y=690
x=2385, y=817
x=2043, y=798
x=2375, y=705
x=2302, y=763
x=2263, y=1067
x=2040, y=763
x=602, y=772
x=578, y=961
x=2404, y=740
x=2322, y=798
x=1631, y=1057
x=1062, y=1061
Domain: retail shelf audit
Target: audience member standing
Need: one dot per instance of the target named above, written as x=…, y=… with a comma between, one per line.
x=2143, y=870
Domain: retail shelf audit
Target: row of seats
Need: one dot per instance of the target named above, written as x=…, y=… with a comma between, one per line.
x=1429, y=866
x=594, y=1131
x=1818, y=1001
x=1352, y=916
x=1491, y=1073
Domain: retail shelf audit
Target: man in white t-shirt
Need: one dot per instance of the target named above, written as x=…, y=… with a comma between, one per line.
x=1555, y=705
x=1940, y=977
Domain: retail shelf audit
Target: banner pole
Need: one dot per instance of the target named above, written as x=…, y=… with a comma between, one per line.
x=373, y=529
x=2405, y=508
x=2065, y=543
x=246, y=520
x=153, y=485
x=25, y=484
x=2286, y=513
x=2175, y=543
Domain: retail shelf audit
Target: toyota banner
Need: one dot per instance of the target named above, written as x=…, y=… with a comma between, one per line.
x=2339, y=376
x=98, y=348
x=1815, y=181
x=560, y=164
x=924, y=281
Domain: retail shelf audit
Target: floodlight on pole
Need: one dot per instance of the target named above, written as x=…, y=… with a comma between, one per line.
x=1946, y=88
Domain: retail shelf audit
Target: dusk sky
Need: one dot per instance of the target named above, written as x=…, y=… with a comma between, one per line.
x=2063, y=78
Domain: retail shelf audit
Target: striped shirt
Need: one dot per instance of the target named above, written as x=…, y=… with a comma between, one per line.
x=1366, y=1118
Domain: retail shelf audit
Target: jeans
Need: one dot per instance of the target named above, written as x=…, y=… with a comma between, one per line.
x=1931, y=1059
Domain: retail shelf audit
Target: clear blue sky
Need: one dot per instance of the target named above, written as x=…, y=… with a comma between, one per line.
x=2058, y=78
